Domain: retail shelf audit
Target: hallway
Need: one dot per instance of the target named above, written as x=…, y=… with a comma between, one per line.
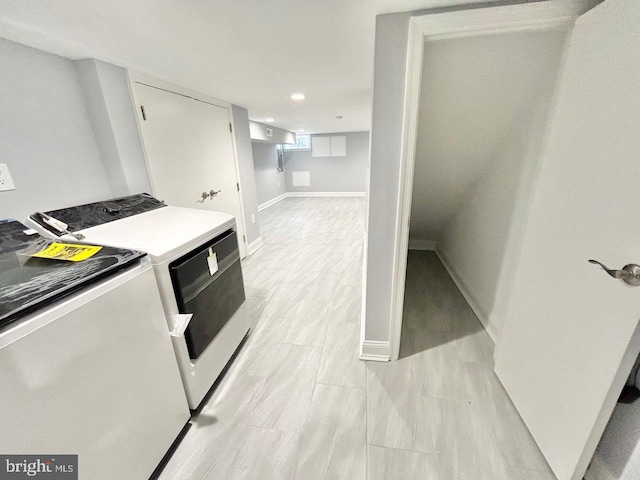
x=297, y=402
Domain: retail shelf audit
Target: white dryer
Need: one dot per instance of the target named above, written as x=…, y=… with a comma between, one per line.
x=196, y=262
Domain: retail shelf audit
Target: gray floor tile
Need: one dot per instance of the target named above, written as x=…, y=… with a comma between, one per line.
x=340, y=364
x=285, y=398
x=397, y=417
x=305, y=330
x=279, y=307
x=255, y=453
x=526, y=474
x=518, y=445
x=476, y=347
x=212, y=429
x=466, y=446
x=261, y=282
x=260, y=351
x=334, y=441
x=287, y=408
x=255, y=306
x=393, y=464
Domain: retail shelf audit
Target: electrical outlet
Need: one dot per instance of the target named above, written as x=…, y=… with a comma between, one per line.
x=253, y=218
x=6, y=182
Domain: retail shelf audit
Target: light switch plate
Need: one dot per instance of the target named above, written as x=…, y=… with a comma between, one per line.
x=6, y=182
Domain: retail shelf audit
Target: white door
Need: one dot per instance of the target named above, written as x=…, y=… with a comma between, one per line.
x=190, y=152
x=570, y=336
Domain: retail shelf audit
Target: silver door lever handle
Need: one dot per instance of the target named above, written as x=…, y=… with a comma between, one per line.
x=212, y=193
x=630, y=273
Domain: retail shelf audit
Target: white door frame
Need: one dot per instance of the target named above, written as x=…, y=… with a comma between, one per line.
x=139, y=78
x=546, y=15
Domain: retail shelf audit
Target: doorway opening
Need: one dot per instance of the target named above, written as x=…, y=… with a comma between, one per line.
x=484, y=104
x=538, y=352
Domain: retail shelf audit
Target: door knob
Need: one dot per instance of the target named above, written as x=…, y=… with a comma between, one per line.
x=205, y=195
x=630, y=274
x=213, y=193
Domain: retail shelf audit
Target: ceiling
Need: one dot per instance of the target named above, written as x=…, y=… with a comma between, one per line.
x=477, y=94
x=253, y=53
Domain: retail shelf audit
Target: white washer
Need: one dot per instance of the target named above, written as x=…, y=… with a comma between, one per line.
x=93, y=374
x=167, y=234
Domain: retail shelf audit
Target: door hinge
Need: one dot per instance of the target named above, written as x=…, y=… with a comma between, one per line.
x=230, y=128
x=144, y=114
x=244, y=239
x=238, y=186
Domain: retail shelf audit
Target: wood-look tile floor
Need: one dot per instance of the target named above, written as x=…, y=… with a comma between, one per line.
x=298, y=404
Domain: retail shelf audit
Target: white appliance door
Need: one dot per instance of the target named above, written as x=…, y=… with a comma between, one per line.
x=94, y=375
x=190, y=152
x=570, y=337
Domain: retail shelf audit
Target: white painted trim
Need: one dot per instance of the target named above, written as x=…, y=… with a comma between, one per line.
x=429, y=245
x=135, y=102
x=244, y=245
x=413, y=81
x=325, y=194
x=551, y=14
x=486, y=319
x=547, y=15
x=375, y=351
x=273, y=201
x=363, y=297
x=254, y=246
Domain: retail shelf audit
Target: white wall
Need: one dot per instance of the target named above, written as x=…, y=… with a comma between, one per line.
x=106, y=91
x=69, y=135
x=386, y=141
x=269, y=182
x=384, y=170
x=332, y=174
x=484, y=106
x=247, y=174
x=477, y=92
x=258, y=132
x=46, y=134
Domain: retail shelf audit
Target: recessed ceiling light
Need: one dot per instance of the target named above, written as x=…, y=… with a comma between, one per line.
x=298, y=96
x=301, y=130
x=270, y=119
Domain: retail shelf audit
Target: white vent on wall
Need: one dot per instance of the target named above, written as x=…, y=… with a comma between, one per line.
x=301, y=179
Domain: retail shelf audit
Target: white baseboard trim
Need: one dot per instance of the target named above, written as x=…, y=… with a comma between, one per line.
x=273, y=201
x=254, y=246
x=325, y=194
x=422, y=245
x=470, y=298
x=375, y=351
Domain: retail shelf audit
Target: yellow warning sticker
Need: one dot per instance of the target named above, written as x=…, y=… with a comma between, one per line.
x=68, y=251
